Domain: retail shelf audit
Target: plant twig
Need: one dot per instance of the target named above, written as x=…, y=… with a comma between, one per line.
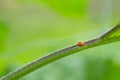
x=26, y=69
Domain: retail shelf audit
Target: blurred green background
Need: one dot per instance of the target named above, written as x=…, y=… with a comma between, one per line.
x=30, y=29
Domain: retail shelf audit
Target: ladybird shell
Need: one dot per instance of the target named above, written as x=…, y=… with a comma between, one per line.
x=81, y=44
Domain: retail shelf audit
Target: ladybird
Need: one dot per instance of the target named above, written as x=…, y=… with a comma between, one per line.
x=81, y=44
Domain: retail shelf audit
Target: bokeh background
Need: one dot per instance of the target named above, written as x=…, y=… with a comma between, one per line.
x=30, y=29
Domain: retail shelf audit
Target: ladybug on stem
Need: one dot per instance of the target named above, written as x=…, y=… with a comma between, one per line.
x=81, y=44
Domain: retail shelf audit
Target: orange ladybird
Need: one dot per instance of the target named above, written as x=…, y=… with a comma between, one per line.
x=81, y=44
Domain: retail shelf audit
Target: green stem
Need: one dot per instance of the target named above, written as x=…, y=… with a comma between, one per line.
x=55, y=56
x=104, y=39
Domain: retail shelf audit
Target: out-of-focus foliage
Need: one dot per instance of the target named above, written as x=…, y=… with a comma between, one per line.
x=30, y=29
x=71, y=8
x=3, y=34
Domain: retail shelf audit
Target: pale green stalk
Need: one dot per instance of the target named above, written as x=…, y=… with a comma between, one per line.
x=32, y=66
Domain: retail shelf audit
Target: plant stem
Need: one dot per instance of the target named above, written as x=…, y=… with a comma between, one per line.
x=53, y=57
x=45, y=60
